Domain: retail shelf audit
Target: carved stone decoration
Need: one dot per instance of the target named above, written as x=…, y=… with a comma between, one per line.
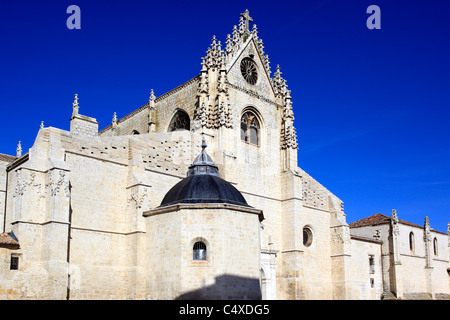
x=214, y=55
x=58, y=184
x=240, y=35
x=20, y=185
x=249, y=70
x=137, y=199
x=427, y=230
x=342, y=237
x=75, y=106
x=279, y=84
x=288, y=137
x=395, y=228
x=203, y=86
x=213, y=107
x=448, y=233
x=395, y=236
x=427, y=237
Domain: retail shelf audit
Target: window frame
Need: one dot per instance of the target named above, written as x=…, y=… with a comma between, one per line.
x=177, y=113
x=308, y=241
x=252, y=122
x=14, y=262
x=203, y=246
x=412, y=243
x=435, y=246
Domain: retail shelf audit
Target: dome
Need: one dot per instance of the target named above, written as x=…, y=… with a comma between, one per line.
x=203, y=184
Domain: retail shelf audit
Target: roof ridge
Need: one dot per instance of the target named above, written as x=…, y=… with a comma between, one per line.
x=377, y=218
x=7, y=157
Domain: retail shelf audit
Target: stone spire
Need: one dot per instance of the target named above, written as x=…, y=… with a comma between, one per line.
x=214, y=55
x=427, y=239
x=19, y=150
x=151, y=100
x=279, y=84
x=42, y=125
x=151, y=112
x=427, y=229
x=395, y=236
x=75, y=105
x=114, y=122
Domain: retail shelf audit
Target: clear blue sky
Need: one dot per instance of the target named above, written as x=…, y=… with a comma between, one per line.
x=371, y=106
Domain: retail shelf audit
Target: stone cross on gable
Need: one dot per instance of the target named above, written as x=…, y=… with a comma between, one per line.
x=247, y=19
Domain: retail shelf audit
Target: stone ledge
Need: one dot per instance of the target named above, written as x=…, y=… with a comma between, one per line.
x=195, y=206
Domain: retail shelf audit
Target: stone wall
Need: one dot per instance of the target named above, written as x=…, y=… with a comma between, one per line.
x=231, y=235
x=366, y=281
x=410, y=277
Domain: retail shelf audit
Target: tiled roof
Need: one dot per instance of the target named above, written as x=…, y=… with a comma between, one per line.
x=7, y=240
x=6, y=158
x=376, y=219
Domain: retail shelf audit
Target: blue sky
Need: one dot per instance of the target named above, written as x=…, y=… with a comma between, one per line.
x=371, y=106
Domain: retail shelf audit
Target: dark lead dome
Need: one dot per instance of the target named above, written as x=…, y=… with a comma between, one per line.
x=203, y=184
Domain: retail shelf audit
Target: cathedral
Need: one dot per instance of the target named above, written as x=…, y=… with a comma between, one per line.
x=197, y=194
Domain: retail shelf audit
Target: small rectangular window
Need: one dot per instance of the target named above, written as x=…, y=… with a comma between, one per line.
x=372, y=263
x=372, y=282
x=14, y=263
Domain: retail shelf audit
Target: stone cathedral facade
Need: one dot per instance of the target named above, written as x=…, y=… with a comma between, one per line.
x=197, y=194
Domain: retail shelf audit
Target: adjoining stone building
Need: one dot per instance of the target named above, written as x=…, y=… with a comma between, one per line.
x=139, y=210
x=415, y=258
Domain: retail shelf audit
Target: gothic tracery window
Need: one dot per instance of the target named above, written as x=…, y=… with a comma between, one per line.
x=180, y=121
x=250, y=128
x=249, y=70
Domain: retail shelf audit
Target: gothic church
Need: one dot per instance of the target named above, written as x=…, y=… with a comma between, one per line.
x=198, y=195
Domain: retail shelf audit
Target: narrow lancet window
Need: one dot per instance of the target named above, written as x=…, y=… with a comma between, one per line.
x=250, y=128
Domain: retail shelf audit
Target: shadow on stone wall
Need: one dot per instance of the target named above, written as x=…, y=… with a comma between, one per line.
x=226, y=287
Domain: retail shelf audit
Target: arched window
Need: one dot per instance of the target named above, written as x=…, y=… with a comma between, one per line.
x=250, y=128
x=435, y=246
x=411, y=242
x=135, y=132
x=307, y=236
x=199, y=251
x=180, y=121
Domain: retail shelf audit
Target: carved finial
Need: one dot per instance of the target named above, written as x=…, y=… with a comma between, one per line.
x=152, y=96
x=247, y=19
x=114, y=122
x=255, y=30
x=42, y=125
x=427, y=222
x=448, y=233
x=394, y=216
x=75, y=105
x=427, y=230
x=19, y=150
